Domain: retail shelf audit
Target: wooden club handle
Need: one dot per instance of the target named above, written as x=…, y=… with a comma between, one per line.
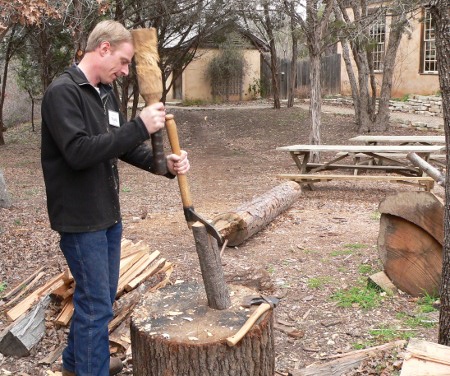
x=150, y=85
x=172, y=133
x=264, y=307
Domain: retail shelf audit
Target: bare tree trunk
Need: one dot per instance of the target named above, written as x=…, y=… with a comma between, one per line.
x=315, y=108
x=340, y=15
x=8, y=56
x=440, y=12
x=273, y=58
x=398, y=24
x=293, y=73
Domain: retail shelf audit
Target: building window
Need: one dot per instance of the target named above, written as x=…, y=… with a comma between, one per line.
x=429, y=62
x=377, y=33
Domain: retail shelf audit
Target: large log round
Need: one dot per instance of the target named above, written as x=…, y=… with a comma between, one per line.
x=175, y=333
x=411, y=257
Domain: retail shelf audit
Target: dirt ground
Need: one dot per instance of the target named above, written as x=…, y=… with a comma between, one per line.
x=326, y=242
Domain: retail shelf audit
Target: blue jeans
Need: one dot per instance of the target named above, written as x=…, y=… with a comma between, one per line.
x=94, y=260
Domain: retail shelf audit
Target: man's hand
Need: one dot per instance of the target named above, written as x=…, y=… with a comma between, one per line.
x=178, y=164
x=154, y=117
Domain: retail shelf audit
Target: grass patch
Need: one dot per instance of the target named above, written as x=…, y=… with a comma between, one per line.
x=387, y=334
x=3, y=286
x=426, y=303
x=354, y=246
x=348, y=249
x=310, y=251
x=365, y=297
x=419, y=321
x=342, y=252
x=365, y=269
x=270, y=269
x=375, y=216
x=193, y=102
x=318, y=282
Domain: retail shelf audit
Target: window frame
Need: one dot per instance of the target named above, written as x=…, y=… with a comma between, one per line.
x=377, y=34
x=428, y=57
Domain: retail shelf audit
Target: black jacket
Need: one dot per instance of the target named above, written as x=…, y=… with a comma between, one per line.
x=79, y=153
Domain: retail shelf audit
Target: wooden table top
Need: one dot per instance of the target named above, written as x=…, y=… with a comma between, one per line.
x=363, y=148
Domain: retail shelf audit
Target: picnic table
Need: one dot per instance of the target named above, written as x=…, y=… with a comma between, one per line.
x=400, y=140
x=437, y=159
x=389, y=154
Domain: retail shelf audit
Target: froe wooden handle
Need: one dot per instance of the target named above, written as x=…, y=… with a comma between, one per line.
x=172, y=133
x=264, y=307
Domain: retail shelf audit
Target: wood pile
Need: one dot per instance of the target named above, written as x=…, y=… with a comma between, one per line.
x=25, y=305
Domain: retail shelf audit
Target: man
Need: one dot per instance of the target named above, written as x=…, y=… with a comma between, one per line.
x=83, y=134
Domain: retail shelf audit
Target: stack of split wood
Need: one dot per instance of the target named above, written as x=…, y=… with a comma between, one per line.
x=26, y=304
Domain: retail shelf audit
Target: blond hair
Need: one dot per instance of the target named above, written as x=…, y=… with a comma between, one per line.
x=110, y=31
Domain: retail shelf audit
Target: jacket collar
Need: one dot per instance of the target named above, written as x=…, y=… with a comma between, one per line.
x=80, y=79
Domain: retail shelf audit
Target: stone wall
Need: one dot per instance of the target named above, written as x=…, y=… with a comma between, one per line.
x=420, y=105
x=416, y=104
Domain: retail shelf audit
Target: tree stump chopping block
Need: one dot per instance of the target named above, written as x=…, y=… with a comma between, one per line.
x=175, y=333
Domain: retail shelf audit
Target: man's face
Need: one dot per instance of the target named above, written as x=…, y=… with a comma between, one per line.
x=116, y=61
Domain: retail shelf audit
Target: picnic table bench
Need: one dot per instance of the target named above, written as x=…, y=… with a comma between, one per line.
x=389, y=154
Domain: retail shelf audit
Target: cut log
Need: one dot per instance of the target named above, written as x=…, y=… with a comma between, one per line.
x=381, y=281
x=174, y=332
x=412, y=259
x=211, y=268
x=54, y=355
x=66, y=313
x=344, y=363
x=410, y=241
x=28, y=302
x=29, y=286
x=145, y=274
x=237, y=226
x=20, y=337
x=133, y=272
x=430, y=170
x=426, y=358
x=21, y=285
x=126, y=303
x=421, y=208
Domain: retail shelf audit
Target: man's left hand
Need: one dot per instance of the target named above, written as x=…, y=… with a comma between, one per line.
x=178, y=164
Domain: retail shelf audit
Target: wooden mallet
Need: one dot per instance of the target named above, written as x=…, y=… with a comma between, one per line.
x=150, y=85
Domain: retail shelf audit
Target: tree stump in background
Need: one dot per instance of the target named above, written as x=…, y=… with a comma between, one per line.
x=174, y=333
x=410, y=241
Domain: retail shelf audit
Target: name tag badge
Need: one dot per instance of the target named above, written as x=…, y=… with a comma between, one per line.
x=113, y=118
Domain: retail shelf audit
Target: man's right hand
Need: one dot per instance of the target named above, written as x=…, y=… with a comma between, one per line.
x=154, y=117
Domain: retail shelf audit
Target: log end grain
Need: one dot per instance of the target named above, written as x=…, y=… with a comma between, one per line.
x=173, y=331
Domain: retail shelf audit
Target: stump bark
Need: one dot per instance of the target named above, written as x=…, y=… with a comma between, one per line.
x=410, y=241
x=175, y=333
x=238, y=225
